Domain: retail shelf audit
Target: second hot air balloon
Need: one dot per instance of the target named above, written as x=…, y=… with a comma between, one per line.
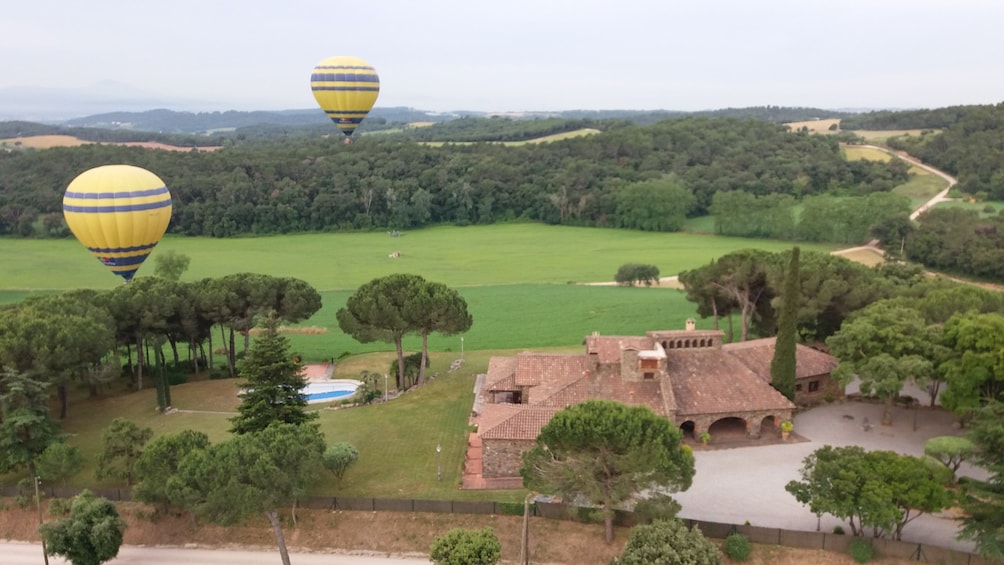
x=119, y=212
x=346, y=89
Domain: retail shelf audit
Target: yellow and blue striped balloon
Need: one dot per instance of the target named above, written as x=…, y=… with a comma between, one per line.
x=346, y=89
x=119, y=212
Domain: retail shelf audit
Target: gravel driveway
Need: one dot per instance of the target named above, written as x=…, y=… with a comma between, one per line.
x=747, y=483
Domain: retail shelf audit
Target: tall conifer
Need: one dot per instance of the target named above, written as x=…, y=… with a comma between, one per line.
x=782, y=366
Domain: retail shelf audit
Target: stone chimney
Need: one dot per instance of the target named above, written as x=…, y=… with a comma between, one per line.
x=691, y=325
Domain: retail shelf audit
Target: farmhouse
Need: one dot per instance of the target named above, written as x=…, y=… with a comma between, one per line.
x=689, y=376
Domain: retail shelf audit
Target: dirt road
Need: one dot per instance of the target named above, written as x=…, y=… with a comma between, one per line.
x=15, y=553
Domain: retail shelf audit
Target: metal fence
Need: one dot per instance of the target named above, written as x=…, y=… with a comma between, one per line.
x=554, y=510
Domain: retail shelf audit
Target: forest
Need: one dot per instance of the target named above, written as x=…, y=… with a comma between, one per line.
x=298, y=184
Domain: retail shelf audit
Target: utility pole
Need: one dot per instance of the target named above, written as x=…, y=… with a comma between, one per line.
x=38, y=504
x=524, y=551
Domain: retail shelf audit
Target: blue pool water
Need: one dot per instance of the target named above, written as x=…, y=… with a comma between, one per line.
x=325, y=391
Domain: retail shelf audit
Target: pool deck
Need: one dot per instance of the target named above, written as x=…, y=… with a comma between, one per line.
x=318, y=372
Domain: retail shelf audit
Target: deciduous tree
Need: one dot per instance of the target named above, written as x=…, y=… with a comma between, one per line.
x=881, y=490
x=338, y=458
x=884, y=345
x=91, y=535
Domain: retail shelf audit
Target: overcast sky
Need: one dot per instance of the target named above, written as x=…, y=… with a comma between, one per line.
x=515, y=55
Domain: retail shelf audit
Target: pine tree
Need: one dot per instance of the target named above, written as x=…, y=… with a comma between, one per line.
x=273, y=388
x=782, y=366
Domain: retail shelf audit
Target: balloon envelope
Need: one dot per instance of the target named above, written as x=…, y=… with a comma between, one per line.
x=119, y=212
x=346, y=89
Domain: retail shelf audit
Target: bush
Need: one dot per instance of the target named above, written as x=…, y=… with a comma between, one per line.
x=839, y=530
x=466, y=547
x=59, y=507
x=668, y=542
x=861, y=551
x=737, y=547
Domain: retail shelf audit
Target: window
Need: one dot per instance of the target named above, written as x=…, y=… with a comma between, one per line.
x=649, y=376
x=813, y=386
x=798, y=388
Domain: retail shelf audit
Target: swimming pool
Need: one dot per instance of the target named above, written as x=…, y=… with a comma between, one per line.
x=330, y=390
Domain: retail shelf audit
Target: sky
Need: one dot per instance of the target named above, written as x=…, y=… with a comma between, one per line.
x=518, y=55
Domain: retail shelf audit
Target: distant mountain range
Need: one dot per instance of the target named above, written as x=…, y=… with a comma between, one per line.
x=116, y=106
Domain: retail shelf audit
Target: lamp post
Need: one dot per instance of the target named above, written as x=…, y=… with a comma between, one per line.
x=439, y=466
x=386, y=392
x=461, y=348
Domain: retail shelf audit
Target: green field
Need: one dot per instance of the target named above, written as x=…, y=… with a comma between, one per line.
x=470, y=256
x=514, y=277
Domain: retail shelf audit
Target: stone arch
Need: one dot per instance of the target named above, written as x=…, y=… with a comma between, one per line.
x=769, y=425
x=730, y=427
x=687, y=428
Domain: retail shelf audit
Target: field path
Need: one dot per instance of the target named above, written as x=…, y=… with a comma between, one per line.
x=871, y=246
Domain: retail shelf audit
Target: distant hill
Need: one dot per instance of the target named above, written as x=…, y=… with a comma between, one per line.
x=219, y=123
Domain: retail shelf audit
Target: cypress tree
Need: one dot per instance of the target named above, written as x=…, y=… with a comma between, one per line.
x=273, y=389
x=782, y=366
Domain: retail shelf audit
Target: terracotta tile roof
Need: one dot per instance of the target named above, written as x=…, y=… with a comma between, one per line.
x=711, y=381
x=499, y=369
x=638, y=393
x=608, y=347
x=573, y=393
x=758, y=353
x=523, y=423
x=545, y=368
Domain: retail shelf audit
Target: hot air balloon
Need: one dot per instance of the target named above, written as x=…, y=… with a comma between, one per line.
x=346, y=89
x=119, y=213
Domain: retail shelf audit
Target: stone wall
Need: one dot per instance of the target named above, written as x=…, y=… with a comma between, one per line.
x=829, y=390
x=503, y=457
x=753, y=420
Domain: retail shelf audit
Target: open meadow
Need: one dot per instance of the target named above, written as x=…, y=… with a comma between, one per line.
x=514, y=277
x=518, y=279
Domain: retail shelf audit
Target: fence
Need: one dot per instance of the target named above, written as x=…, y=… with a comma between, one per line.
x=559, y=511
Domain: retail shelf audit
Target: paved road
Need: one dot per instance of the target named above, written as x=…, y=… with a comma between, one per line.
x=732, y=486
x=16, y=553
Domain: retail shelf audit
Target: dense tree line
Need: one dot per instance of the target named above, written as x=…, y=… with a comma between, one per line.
x=970, y=146
x=937, y=118
x=307, y=184
x=958, y=241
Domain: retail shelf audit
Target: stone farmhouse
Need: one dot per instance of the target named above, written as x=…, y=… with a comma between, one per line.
x=689, y=376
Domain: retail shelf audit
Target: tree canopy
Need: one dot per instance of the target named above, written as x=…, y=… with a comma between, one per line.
x=92, y=534
x=604, y=453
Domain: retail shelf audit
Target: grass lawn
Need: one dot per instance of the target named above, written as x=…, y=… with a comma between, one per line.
x=396, y=440
x=518, y=316
x=469, y=256
x=996, y=206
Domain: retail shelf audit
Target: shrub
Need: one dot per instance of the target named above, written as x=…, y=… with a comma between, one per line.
x=660, y=507
x=787, y=426
x=668, y=542
x=861, y=551
x=59, y=507
x=839, y=530
x=737, y=547
x=466, y=547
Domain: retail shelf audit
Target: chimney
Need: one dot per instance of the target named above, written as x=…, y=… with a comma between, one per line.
x=691, y=324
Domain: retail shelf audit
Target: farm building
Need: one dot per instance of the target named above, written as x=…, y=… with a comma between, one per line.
x=689, y=376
